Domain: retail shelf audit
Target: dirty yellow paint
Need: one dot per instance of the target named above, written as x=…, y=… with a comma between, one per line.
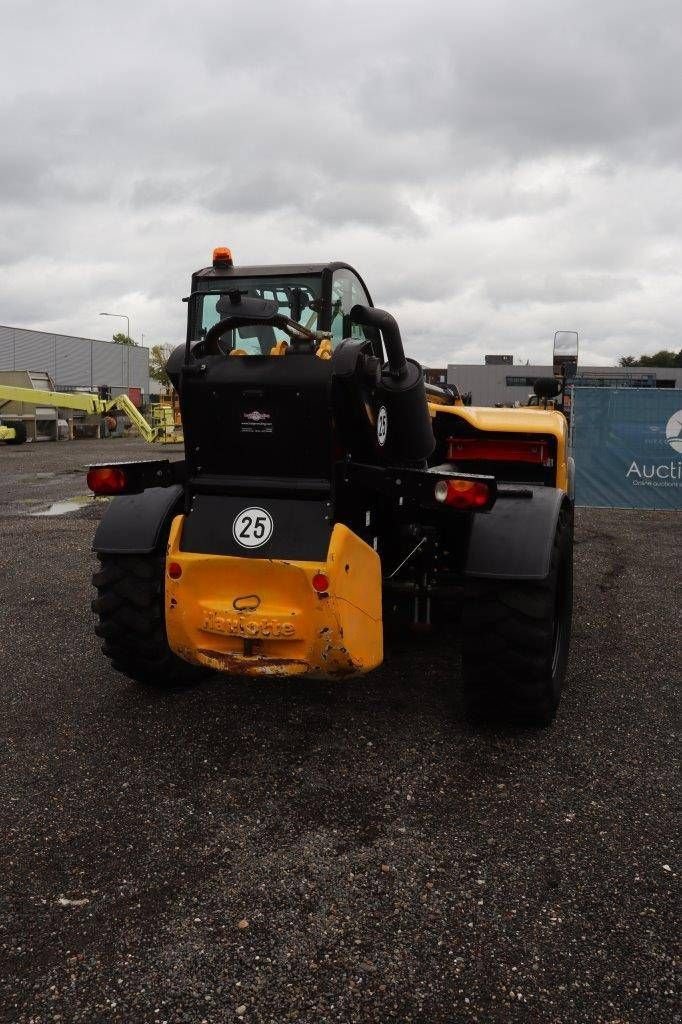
x=262, y=617
x=546, y=422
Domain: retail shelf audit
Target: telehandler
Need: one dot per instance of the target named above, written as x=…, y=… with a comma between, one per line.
x=327, y=489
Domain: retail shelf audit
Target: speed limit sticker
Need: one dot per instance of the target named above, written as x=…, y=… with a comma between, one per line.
x=252, y=527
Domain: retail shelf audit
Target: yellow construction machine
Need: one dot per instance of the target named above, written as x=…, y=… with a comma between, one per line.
x=326, y=490
x=13, y=431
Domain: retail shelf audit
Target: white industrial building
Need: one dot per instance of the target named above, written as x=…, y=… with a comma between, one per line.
x=504, y=384
x=76, y=363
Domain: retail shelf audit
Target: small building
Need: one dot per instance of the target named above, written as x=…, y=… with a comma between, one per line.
x=502, y=384
x=41, y=423
x=436, y=375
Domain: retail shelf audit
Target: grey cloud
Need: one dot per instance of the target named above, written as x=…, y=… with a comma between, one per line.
x=367, y=205
x=20, y=179
x=165, y=190
x=558, y=289
x=566, y=76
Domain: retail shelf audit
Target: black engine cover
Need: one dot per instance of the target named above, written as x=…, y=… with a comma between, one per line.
x=258, y=415
x=294, y=416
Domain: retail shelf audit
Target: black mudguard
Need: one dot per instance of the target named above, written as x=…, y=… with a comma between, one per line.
x=514, y=540
x=133, y=524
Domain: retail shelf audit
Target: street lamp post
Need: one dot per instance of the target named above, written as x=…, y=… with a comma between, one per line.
x=123, y=317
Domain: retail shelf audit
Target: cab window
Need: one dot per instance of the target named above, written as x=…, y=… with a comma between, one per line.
x=297, y=298
x=347, y=291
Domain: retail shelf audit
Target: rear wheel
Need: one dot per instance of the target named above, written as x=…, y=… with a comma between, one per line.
x=19, y=429
x=130, y=609
x=515, y=639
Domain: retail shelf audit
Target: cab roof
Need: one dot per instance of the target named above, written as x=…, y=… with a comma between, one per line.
x=274, y=270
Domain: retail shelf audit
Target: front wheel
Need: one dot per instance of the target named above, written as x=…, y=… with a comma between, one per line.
x=515, y=639
x=130, y=609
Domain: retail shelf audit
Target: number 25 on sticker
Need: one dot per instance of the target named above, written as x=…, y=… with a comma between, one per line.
x=252, y=527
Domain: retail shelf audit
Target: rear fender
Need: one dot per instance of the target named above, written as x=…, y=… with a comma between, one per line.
x=136, y=524
x=514, y=540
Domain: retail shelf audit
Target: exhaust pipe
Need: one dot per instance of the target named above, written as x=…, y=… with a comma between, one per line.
x=365, y=316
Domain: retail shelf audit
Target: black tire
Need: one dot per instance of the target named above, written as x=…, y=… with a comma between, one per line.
x=130, y=609
x=20, y=433
x=515, y=640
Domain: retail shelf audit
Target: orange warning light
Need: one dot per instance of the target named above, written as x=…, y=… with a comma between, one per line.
x=222, y=257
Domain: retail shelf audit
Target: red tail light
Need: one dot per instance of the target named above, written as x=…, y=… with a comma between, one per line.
x=106, y=479
x=462, y=493
x=320, y=583
x=474, y=449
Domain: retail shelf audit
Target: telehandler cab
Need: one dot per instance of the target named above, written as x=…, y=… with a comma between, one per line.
x=326, y=489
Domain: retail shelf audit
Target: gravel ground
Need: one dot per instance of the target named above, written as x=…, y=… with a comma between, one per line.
x=331, y=853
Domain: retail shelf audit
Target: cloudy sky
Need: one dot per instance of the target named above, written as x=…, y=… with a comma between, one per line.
x=496, y=170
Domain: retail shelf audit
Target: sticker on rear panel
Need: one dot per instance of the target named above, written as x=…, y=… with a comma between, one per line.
x=252, y=527
x=256, y=421
x=382, y=426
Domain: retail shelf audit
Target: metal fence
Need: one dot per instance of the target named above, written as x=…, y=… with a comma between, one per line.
x=75, y=362
x=627, y=446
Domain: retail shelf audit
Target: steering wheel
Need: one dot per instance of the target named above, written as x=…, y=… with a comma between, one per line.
x=299, y=333
x=211, y=344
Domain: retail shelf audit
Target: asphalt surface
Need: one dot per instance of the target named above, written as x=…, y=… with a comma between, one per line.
x=311, y=852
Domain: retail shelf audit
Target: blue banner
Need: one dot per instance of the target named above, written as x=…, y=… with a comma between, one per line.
x=627, y=446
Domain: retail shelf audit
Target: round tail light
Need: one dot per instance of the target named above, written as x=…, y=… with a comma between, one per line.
x=320, y=583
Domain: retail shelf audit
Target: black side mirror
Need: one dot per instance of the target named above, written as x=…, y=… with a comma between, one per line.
x=547, y=387
x=565, y=354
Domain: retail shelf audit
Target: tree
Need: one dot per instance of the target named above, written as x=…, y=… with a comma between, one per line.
x=158, y=357
x=122, y=339
x=661, y=358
